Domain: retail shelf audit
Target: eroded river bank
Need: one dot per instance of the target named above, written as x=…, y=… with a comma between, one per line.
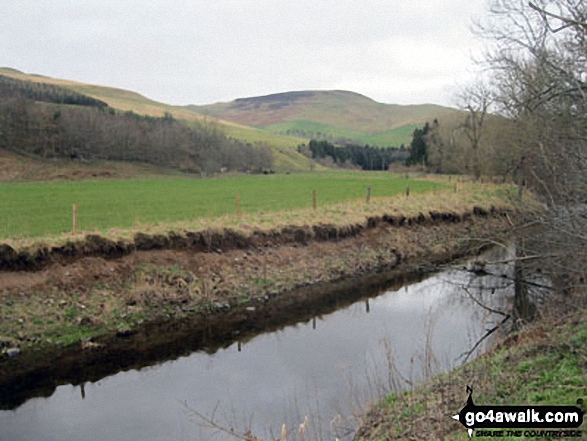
x=223, y=325
x=324, y=361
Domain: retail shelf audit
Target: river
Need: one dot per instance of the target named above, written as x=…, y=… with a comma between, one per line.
x=328, y=368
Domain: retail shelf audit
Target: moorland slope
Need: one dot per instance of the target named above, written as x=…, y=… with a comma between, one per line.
x=332, y=114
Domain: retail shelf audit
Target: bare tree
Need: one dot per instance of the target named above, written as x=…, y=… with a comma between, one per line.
x=566, y=21
x=476, y=100
x=537, y=56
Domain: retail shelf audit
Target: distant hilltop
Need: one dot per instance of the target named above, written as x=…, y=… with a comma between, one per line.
x=335, y=115
x=281, y=120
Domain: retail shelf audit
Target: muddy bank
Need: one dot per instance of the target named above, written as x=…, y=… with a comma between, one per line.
x=81, y=321
x=35, y=258
x=37, y=374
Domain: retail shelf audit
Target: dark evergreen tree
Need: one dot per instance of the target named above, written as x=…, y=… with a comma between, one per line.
x=418, y=153
x=367, y=157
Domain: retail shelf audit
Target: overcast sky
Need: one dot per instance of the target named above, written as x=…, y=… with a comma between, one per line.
x=205, y=51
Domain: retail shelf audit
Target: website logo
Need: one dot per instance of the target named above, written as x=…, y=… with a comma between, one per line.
x=506, y=418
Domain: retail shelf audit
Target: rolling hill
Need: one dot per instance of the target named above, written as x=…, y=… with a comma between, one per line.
x=282, y=121
x=334, y=115
x=285, y=154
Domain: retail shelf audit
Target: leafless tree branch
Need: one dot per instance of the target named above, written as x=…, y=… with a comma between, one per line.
x=568, y=21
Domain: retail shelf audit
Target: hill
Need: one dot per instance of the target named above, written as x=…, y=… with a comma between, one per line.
x=281, y=121
x=334, y=115
x=18, y=167
x=285, y=155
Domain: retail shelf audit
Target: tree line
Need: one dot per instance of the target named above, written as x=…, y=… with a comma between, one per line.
x=35, y=120
x=365, y=156
x=538, y=83
x=49, y=93
x=526, y=118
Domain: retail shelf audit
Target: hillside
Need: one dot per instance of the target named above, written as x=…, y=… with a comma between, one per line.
x=334, y=115
x=285, y=155
x=281, y=121
x=16, y=167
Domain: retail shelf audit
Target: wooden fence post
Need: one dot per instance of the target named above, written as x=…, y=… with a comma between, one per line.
x=238, y=204
x=74, y=226
x=520, y=191
x=368, y=199
x=408, y=191
x=314, y=202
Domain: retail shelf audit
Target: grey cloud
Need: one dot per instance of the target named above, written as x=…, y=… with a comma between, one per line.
x=202, y=51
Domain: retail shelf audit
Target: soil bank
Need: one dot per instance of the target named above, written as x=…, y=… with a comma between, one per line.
x=82, y=309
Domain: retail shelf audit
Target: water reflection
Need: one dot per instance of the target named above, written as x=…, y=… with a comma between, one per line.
x=326, y=368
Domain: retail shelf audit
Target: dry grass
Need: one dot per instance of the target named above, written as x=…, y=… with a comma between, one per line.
x=19, y=168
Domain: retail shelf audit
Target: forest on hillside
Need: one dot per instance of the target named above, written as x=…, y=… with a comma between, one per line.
x=351, y=155
x=54, y=122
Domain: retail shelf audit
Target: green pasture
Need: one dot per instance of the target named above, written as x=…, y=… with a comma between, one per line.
x=394, y=137
x=45, y=208
x=311, y=129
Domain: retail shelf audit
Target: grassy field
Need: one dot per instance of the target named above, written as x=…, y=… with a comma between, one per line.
x=45, y=209
x=394, y=137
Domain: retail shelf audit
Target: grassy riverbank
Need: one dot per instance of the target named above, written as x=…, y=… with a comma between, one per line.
x=544, y=363
x=335, y=206
x=87, y=296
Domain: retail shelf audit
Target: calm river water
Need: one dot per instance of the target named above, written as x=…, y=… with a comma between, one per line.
x=327, y=368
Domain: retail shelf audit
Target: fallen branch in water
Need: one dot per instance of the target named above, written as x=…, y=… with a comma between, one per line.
x=489, y=332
